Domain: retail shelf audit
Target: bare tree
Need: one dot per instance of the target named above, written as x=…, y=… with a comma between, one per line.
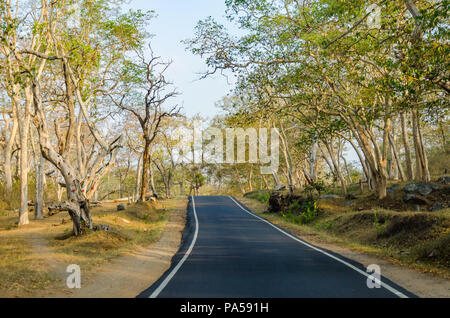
x=148, y=109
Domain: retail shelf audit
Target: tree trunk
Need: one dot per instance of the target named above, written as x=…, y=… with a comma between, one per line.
x=24, y=129
x=250, y=177
x=336, y=168
x=405, y=137
x=138, y=177
x=346, y=169
x=263, y=177
x=152, y=178
x=145, y=164
x=8, y=153
x=421, y=157
x=443, y=135
x=287, y=157
x=312, y=162
x=397, y=159
x=39, y=204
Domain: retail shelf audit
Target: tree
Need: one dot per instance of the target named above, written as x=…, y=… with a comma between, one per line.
x=151, y=92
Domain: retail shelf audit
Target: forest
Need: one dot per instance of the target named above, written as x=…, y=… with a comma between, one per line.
x=98, y=155
x=356, y=91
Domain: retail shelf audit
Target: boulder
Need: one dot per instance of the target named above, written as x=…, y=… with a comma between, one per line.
x=437, y=206
x=280, y=187
x=421, y=188
x=415, y=199
x=444, y=180
x=101, y=227
x=120, y=207
x=393, y=188
x=279, y=202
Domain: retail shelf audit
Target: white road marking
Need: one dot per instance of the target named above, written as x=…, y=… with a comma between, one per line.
x=391, y=289
x=176, y=268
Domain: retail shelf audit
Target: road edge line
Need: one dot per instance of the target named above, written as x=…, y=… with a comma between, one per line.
x=388, y=287
x=185, y=256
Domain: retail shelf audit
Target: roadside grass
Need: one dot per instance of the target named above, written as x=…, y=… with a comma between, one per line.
x=33, y=258
x=419, y=240
x=21, y=270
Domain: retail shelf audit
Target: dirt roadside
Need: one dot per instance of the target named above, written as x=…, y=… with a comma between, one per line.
x=128, y=275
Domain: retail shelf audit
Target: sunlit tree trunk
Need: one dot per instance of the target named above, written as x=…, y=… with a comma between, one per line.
x=336, y=167
x=421, y=157
x=138, y=177
x=24, y=132
x=407, y=148
x=8, y=152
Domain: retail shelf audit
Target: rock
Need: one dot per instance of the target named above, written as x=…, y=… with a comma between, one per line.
x=444, y=180
x=101, y=227
x=393, y=188
x=421, y=188
x=120, y=207
x=329, y=196
x=279, y=187
x=350, y=197
x=433, y=253
x=415, y=199
x=437, y=206
x=279, y=202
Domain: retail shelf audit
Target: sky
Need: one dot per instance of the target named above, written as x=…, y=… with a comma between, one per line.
x=175, y=21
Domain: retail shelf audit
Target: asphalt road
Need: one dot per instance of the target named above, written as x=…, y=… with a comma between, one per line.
x=227, y=252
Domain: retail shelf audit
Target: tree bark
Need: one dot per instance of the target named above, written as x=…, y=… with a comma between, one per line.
x=145, y=164
x=405, y=138
x=138, y=177
x=24, y=131
x=421, y=157
x=8, y=152
x=336, y=168
x=39, y=204
x=397, y=159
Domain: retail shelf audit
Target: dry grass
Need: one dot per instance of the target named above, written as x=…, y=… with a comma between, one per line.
x=33, y=258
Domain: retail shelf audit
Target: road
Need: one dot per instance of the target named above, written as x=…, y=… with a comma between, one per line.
x=228, y=252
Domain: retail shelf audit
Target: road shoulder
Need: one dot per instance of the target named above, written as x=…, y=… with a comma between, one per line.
x=128, y=275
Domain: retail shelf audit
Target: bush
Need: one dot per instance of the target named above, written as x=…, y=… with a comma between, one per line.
x=261, y=196
x=306, y=212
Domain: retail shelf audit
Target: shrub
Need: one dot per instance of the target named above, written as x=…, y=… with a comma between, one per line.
x=307, y=212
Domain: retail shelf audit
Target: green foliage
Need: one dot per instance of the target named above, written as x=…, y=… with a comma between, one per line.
x=261, y=196
x=378, y=226
x=318, y=186
x=303, y=213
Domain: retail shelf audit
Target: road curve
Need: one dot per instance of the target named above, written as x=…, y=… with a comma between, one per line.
x=227, y=252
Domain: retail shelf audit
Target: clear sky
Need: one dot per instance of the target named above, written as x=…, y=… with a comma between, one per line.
x=175, y=22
